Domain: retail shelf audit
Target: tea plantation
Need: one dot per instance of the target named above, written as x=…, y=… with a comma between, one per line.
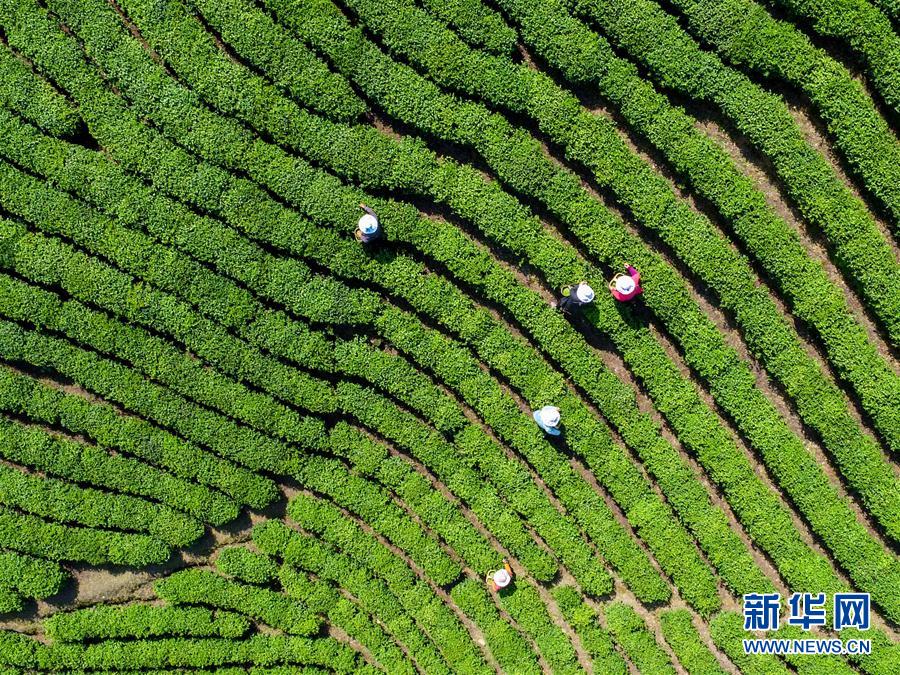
x=448, y=336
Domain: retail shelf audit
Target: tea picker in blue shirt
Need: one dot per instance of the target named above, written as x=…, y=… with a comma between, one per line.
x=548, y=419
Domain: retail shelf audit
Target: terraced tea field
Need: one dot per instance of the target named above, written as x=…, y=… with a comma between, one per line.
x=235, y=436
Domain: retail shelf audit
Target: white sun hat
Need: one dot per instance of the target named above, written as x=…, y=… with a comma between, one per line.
x=624, y=284
x=368, y=224
x=584, y=293
x=501, y=578
x=550, y=415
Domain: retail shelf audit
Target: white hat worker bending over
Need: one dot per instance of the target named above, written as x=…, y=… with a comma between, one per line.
x=368, y=228
x=548, y=419
x=501, y=578
x=626, y=286
x=573, y=297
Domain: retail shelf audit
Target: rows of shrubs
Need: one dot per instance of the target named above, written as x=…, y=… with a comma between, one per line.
x=734, y=386
x=226, y=325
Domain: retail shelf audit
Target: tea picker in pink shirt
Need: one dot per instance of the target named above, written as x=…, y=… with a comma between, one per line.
x=501, y=578
x=625, y=286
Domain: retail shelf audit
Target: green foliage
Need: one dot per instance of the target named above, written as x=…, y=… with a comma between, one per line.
x=597, y=641
x=586, y=57
x=630, y=632
x=422, y=497
x=866, y=30
x=655, y=39
x=163, y=313
x=375, y=507
x=745, y=412
x=510, y=649
x=461, y=372
x=242, y=563
x=654, y=203
x=476, y=24
x=22, y=90
x=727, y=631
x=31, y=577
x=39, y=402
x=400, y=379
x=372, y=595
x=683, y=638
x=238, y=670
x=283, y=335
x=653, y=515
x=155, y=358
x=395, y=581
x=118, y=383
x=748, y=36
x=144, y=303
x=289, y=63
x=137, y=655
x=323, y=598
x=32, y=536
x=732, y=382
x=10, y=601
x=196, y=274
x=104, y=622
x=64, y=502
x=512, y=483
x=192, y=331
x=202, y=587
x=523, y=603
x=891, y=8
x=267, y=226
x=55, y=455
x=316, y=472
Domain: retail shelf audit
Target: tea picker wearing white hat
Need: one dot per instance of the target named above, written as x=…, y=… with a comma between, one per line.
x=574, y=297
x=626, y=286
x=368, y=229
x=501, y=578
x=548, y=419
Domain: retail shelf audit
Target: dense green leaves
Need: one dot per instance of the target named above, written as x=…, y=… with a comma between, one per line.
x=202, y=587
x=685, y=641
x=187, y=328
x=65, y=502
x=22, y=90
x=242, y=563
x=637, y=641
x=36, y=537
x=25, y=652
x=31, y=577
x=594, y=638
x=325, y=599
x=143, y=621
x=101, y=422
x=732, y=382
x=395, y=589
x=59, y=456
